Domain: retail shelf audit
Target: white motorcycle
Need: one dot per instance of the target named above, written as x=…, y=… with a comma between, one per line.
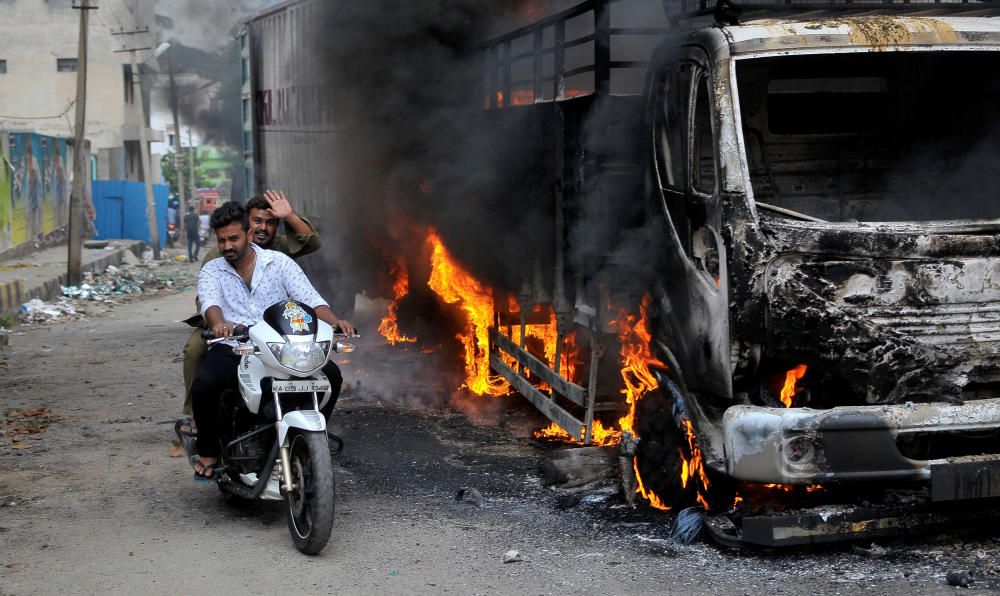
x=274, y=443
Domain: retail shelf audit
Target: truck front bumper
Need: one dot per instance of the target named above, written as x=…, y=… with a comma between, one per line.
x=858, y=444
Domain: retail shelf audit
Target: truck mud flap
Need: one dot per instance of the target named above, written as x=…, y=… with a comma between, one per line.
x=829, y=524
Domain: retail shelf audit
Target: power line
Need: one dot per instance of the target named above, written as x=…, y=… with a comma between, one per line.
x=59, y=115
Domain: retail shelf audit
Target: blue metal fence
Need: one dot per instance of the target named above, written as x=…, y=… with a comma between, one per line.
x=121, y=210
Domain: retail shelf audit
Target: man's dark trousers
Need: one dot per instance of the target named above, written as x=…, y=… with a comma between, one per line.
x=218, y=373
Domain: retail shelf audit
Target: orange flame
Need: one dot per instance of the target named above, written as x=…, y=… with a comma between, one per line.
x=791, y=377
x=518, y=97
x=634, y=336
x=389, y=327
x=600, y=436
x=654, y=501
x=694, y=467
x=456, y=286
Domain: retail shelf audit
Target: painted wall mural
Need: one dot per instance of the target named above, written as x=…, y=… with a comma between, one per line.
x=34, y=189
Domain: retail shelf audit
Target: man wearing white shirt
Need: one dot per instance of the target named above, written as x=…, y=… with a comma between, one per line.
x=236, y=289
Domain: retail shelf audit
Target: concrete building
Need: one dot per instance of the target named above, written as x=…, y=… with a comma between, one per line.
x=38, y=77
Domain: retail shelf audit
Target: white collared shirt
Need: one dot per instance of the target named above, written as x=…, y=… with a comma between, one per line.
x=276, y=277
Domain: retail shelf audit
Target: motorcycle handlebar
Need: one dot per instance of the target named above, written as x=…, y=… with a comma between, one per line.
x=239, y=332
x=242, y=331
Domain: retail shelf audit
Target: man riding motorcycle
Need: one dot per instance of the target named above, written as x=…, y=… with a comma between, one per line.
x=236, y=290
x=264, y=213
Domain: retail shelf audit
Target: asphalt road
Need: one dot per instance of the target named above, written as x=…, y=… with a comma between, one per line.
x=92, y=503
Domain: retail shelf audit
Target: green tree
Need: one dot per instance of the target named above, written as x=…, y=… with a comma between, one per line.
x=212, y=165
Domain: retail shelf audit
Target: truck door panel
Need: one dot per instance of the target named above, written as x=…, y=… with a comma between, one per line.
x=696, y=325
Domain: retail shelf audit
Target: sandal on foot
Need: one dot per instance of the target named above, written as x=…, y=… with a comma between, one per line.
x=184, y=429
x=199, y=474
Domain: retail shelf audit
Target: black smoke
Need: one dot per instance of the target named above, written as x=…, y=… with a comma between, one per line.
x=417, y=150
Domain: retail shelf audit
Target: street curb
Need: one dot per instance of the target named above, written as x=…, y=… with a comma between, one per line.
x=14, y=293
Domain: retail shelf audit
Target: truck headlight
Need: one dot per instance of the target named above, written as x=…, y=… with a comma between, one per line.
x=802, y=451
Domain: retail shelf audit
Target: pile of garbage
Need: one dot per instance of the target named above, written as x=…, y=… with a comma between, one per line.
x=38, y=311
x=115, y=284
x=129, y=279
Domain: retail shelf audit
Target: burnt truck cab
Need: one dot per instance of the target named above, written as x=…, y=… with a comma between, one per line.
x=829, y=303
x=795, y=198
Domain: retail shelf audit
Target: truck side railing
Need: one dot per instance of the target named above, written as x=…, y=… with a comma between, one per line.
x=502, y=90
x=728, y=12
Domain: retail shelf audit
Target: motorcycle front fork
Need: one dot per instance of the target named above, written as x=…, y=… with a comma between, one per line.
x=286, y=468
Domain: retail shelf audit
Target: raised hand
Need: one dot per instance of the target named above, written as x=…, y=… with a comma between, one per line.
x=279, y=205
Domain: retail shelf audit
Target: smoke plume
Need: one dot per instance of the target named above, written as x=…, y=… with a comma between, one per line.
x=421, y=151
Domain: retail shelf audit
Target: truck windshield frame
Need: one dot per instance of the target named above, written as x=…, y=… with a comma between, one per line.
x=901, y=136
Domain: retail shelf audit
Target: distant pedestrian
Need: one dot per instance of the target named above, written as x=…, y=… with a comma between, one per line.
x=203, y=222
x=191, y=228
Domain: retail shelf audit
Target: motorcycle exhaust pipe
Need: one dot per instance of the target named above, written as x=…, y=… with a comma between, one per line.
x=249, y=493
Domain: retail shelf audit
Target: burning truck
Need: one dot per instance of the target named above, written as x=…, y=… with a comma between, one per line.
x=766, y=251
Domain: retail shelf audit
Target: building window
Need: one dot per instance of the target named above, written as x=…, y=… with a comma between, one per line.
x=127, y=78
x=66, y=64
x=3, y=67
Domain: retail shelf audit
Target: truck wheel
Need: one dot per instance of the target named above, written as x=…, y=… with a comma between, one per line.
x=310, y=502
x=662, y=449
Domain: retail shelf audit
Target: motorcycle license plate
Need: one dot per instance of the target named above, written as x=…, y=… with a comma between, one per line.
x=300, y=386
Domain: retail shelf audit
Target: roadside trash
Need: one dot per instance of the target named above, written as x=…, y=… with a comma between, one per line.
x=124, y=280
x=687, y=528
x=471, y=495
x=106, y=287
x=512, y=556
x=874, y=551
x=569, y=468
x=36, y=311
x=962, y=579
x=98, y=244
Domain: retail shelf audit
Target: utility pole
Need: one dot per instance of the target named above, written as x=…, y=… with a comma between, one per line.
x=194, y=178
x=178, y=156
x=74, y=258
x=137, y=97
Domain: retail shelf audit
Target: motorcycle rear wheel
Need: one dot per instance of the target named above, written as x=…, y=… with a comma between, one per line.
x=311, y=502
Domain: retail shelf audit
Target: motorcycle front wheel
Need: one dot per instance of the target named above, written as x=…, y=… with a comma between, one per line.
x=310, y=502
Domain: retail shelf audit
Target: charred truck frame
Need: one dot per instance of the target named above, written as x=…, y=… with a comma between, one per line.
x=823, y=276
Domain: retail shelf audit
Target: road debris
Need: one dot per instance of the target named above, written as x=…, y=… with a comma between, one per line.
x=688, y=526
x=873, y=551
x=470, y=495
x=962, y=579
x=37, y=311
x=512, y=556
x=114, y=285
x=579, y=466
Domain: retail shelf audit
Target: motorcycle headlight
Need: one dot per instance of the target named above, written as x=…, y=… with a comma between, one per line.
x=299, y=356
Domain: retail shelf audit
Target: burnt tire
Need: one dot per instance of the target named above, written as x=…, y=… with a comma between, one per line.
x=311, y=503
x=658, y=457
